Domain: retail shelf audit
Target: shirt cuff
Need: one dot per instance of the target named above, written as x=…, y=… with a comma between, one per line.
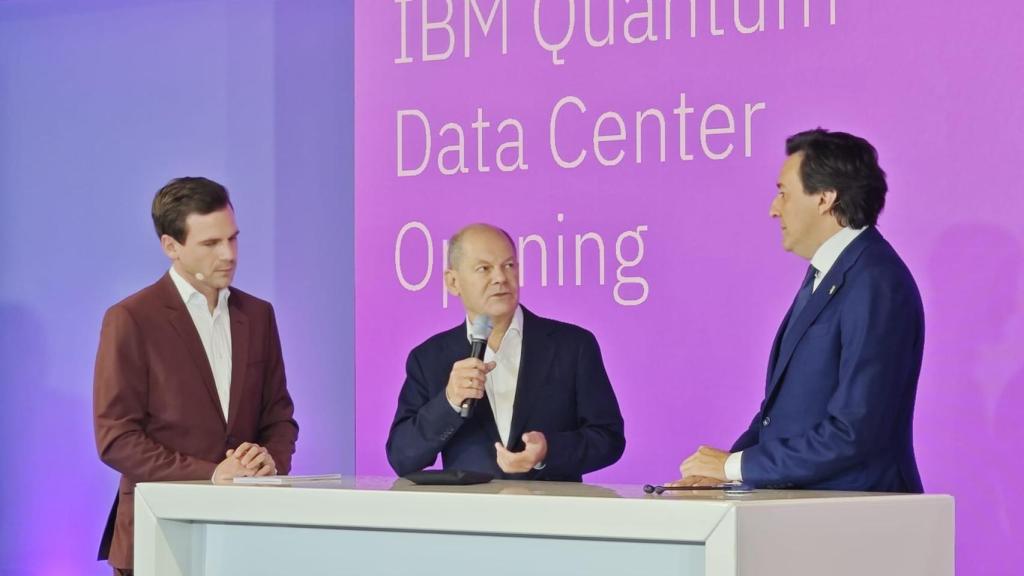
x=455, y=407
x=734, y=467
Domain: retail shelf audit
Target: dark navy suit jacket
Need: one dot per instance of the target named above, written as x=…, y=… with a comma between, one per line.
x=838, y=409
x=562, y=391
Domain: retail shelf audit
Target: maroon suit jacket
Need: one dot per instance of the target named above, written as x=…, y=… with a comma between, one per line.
x=156, y=412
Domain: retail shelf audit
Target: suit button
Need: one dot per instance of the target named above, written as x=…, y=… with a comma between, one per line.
x=766, y=421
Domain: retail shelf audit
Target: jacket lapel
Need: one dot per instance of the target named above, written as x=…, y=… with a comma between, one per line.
x=827, y=288
x=485, y=416
x=182, y=322
x=773, y=358
x=537, y=354
x=239, y=357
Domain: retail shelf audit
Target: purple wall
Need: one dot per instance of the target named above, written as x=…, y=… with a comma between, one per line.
x=101, y=102
x=935, y=86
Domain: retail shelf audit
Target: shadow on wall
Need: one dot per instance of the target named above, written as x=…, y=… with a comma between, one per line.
x=976, y=374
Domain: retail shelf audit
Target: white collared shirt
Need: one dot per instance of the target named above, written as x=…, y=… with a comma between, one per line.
x=215, y=332
x=501, y=382
x=824, y=258
x=827, y=254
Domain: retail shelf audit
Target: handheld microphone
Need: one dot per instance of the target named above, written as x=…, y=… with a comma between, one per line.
x=479, y=332
x=726, y=487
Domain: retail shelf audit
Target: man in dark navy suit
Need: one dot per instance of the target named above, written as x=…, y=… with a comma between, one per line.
x=545, y=409
x=838, y=409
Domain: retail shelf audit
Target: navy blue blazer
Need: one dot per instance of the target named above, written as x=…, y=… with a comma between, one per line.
x=838, y=409
x=562, y=391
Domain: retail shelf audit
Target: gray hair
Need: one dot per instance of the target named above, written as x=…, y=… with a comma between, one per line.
x=455, y=244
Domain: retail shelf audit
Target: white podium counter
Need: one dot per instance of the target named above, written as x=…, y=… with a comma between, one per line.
x=391, y=527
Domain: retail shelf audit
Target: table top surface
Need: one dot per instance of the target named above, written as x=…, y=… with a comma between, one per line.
x=509, y=507
x=548, y=489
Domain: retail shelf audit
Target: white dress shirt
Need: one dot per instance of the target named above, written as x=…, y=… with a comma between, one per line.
x=501, y=382
x=215, y=332
x=823, y=260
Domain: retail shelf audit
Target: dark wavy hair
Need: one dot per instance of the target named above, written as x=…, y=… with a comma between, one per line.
x=182, y=197
x=847, y=164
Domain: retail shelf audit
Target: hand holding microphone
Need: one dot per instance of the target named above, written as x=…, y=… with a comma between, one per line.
x=467, y=378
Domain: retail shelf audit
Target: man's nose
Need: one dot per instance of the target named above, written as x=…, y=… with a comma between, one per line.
x=228, y=251
x=498, y=275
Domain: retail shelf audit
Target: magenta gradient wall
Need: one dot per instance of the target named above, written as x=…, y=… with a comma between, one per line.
x=695, y=279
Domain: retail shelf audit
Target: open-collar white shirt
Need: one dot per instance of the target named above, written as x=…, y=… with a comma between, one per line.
x=214, y=331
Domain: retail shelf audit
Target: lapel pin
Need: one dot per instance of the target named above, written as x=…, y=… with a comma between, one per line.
x=832, y=290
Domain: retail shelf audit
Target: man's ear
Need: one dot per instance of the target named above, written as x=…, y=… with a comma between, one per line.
x=451, y=282
x=170, y=246
x=827, y=200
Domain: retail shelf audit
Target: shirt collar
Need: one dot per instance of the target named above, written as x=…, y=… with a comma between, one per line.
x=516, y=327
x=189, y=293
x=829, y=251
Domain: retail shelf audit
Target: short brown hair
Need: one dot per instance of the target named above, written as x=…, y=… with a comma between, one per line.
x=180, y=198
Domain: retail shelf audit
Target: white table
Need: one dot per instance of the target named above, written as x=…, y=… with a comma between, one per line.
x=384, y=526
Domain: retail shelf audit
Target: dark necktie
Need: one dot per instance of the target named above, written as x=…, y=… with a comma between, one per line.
x=802, y=297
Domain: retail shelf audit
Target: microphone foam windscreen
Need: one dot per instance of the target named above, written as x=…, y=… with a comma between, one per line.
x=481, y=328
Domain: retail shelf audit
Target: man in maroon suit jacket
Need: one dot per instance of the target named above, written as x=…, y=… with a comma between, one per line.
x=189, y=382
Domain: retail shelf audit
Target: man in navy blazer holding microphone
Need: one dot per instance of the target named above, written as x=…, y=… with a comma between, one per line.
x=838, y=408
x=545, y=409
